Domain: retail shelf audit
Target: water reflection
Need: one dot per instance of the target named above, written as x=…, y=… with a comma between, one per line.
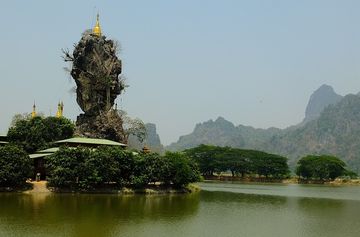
x=292, y=211
x=89, y=215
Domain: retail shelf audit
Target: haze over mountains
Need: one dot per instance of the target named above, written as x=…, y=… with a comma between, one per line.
x=331, y=126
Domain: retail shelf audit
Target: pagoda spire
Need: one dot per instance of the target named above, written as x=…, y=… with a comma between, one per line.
x=33, y=113
x=97, y=28
x=60, y=110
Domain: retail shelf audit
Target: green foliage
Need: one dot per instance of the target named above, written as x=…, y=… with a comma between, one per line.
x=320, y=167
x=36, y=133
x=86, y=169
x=181, y=169
x=15, y=166
x=240, y=162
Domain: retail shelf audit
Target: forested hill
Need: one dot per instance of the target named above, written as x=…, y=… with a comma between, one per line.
x=334, y=131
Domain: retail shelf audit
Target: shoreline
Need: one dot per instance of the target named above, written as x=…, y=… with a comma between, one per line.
x=336, y=182
x=41, y=188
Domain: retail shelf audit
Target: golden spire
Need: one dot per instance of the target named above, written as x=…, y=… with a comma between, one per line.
x=33, y=113
x=60, y=110
x=97, y=28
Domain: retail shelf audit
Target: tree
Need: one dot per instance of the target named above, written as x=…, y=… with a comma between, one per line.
x=36, y=133
x=134, y=127
x=322, y=167
x=182, y=170
x=66, y=168
x=15, y=166
x=239, y=161
x=204, y=155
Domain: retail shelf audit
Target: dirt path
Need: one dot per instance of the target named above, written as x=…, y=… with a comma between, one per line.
x=39, y=187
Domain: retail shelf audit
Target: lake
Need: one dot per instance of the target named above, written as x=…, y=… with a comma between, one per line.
x=220, y=209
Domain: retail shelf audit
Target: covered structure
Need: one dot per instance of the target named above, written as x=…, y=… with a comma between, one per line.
x=38, y=157
x=3, y=140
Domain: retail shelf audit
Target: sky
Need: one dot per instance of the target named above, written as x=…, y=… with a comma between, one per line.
x=252, y=62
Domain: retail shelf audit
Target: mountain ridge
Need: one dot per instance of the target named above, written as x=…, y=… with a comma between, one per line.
x=330, y=126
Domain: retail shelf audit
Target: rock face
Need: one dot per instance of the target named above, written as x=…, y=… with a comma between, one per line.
x=152, y=140
x=96, y=70
x=319, y=100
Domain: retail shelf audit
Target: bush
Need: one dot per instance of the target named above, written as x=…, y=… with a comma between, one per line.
x=15, y=166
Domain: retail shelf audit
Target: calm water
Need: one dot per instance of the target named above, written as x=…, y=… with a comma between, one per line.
x=221, y=209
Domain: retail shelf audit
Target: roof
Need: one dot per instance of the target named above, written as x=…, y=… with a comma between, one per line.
x=90, y=141
x=33, y=156
x=49, y=150
x=3, y=137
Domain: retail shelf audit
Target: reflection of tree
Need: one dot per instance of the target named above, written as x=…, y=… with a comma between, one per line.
x=229, y=197
x=90, y=215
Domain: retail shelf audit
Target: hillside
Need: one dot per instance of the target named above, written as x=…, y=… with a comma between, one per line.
x=219, y=132
x=331, y=126
x=319, y=100
x=335, y=132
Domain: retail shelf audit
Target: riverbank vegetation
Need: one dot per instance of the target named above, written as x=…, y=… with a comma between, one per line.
x=321, y=168
x=85, y=169
x=240, y=162
x=15, y=168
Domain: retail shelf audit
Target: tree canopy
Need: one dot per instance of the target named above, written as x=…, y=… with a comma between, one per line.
x=36, y=133
x=15, y=166
x=213, y=159
x=86, y=169
x=322, y=167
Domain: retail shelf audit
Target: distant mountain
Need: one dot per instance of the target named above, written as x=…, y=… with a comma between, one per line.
x=152, y=140
x=335, y=132
x=331, y=126
x=319, y=100
x=219, y=132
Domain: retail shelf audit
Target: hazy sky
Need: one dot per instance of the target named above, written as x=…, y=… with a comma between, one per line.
x=253, y=62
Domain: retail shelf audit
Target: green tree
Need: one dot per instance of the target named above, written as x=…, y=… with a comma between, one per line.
x=182, y=170
x=15, y=166
x=322, y=167
x=66, y=168
x=205, y=155
x=36, y=133
x=239, y=161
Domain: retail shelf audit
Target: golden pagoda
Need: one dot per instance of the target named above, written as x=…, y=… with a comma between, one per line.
x=33, y=113
x=97, y=29
x=60, y=110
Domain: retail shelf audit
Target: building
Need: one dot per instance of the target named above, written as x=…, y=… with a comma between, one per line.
x=3, y=140
x=38, y=157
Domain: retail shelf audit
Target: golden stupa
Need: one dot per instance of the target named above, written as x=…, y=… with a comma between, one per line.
x=33, y=113
x=97, y=29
